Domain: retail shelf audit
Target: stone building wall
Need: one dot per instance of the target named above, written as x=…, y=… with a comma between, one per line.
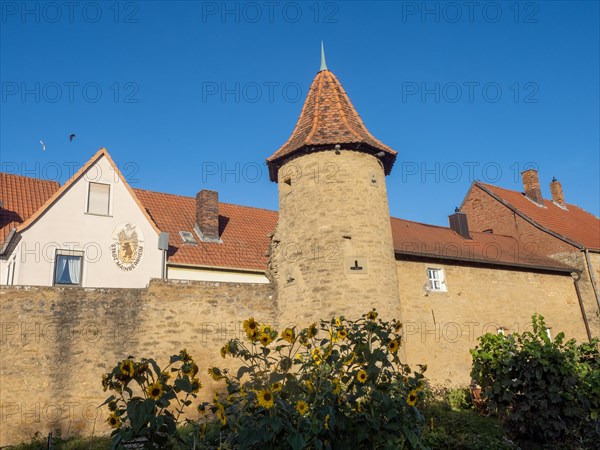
x=57, y=342
x=441, y=327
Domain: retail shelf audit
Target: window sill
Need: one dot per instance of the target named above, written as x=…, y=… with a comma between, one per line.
x=97, y=215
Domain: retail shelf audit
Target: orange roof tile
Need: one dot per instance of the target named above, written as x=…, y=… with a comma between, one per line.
x=329, y=118
x=245, y=235
x=244, y=232
x=573, y=223
x=419, y=239
x=22, y=197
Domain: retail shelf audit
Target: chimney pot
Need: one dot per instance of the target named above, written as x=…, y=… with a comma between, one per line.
x=207, y=215
x=531, y=186
x=557, y=192
x=459, y=224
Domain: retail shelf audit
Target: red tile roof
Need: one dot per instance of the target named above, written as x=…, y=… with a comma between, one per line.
x=572, y=223
x=245, y=235
x=244, y=232
x=329, y=118
x=22, y=197
x=419, y=239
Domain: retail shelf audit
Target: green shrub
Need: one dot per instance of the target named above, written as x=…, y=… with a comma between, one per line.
x=336, y=385
x=145, y=406
x=459, y=399
x=547, y=391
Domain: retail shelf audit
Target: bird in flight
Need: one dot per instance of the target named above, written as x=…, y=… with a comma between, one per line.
x=43, y=145
x=71, y=137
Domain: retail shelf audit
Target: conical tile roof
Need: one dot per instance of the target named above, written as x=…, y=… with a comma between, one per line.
x=328, y=118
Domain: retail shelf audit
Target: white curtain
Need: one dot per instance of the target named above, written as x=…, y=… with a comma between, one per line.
x=74, y=264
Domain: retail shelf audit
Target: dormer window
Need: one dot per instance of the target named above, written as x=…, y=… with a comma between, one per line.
x=98, y=199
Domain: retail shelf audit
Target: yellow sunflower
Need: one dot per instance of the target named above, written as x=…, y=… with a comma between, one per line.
x=190, y=369
x=342, y=334
x=405, y=379
x=265, y=398
x=393, y=346
x=196, y=385
x=372, y=315
x=302, y=407
x=215, y=373
x=397, y=326
x=155, y=391
x=221, y=416
x=361, y=376
x=338, y=321
x=350, y=359
x=127, y=368
x=224, y=350
x=288, y=335
x=277, y=386
x=316, y=356
x=114, y=421
x=265, y=339
x=411, y=400
x=251, y=328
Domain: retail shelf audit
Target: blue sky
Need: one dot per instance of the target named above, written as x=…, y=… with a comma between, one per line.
x=193, y=95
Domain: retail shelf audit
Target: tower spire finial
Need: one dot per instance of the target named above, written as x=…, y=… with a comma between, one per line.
x=323, y=64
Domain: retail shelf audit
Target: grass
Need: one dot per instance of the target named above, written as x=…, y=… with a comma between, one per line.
x=39, y=442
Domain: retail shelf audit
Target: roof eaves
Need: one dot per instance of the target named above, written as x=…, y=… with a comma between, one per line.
x=566, y=269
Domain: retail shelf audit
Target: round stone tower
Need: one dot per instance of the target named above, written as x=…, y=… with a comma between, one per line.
x=332, y=252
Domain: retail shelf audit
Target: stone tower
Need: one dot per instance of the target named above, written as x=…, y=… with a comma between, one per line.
x=332, y=252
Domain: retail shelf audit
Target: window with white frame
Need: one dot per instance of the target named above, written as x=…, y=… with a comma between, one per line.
x=436, y=280
x=68, y=267
x=98, y=199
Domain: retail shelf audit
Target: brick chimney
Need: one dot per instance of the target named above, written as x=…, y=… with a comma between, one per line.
x=557, y=192
x=458, y=223
x=531, y=186
x=207, y=215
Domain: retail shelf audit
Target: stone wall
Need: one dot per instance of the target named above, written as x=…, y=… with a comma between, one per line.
x=57, y=342
x=441, y=327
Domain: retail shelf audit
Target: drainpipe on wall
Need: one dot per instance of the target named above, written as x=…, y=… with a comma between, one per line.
x=576, y=277
x=591, y=273
x=163, y=244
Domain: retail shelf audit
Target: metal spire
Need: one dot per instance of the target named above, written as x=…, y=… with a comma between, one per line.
x=323, y=64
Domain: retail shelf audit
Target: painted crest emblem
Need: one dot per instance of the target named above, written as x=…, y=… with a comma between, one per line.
x=127, y=247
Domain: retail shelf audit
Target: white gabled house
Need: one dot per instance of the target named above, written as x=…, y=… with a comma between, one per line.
x=91, y=232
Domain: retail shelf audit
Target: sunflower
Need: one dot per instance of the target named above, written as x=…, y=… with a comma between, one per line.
x=342, y=334
x=265, y=398
x=397, y=326
x=185, y=355
x=351, y=357
x=302, y=407
x=265, y=339
x=196, y=385
x=337, y=386
x=141, y=368
x=338, y=321
x=251, y=327
x=215, y=373
x=225, y=350
x=288, y=335
x=393, y=345
x=411, y=400
x=405, y=379
x=327, y=422
x=155, y=391
x=201, y=408
x=361, y=376
x=277, y=386
x=221, y=416
x=114, y=421
x=190, y=369
x=316, y=356
x=216, y=397
x=127, y=368
x=372, y=315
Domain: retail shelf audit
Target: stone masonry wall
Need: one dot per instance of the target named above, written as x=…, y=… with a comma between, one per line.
x=441, y=327
x=57, y=342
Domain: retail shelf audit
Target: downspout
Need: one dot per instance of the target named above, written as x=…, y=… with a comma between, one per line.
x=576, y=277
x=592, y=277
x=7, y=240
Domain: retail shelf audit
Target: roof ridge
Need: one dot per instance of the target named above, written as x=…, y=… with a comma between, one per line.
x=193, y=198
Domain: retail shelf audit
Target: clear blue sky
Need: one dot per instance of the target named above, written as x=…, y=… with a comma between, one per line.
x=193, y=95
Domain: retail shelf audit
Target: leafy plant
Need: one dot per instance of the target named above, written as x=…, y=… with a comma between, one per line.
x=145, y=407
x=336, y=385
x=546, y=390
